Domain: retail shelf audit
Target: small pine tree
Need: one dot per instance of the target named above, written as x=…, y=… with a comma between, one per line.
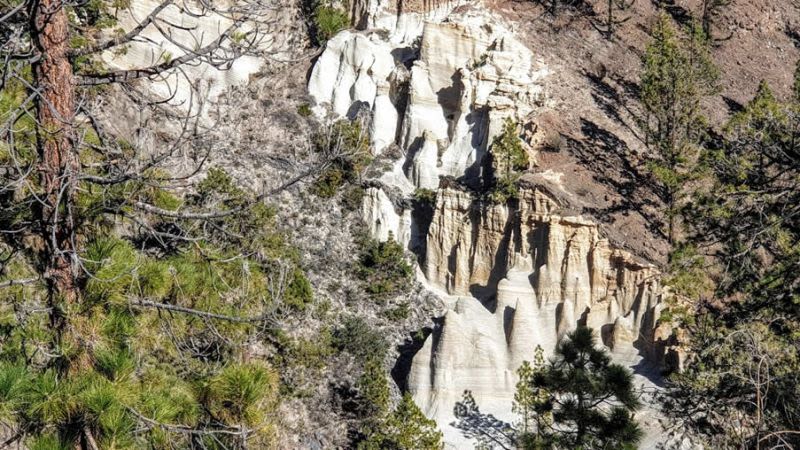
x=408, y=428
x=508, y=155
x=374, y=389
x=508, y=158
x=532, y=404
x=676, y=75
x=404, y=428
x=383, y=267
x=593, y=399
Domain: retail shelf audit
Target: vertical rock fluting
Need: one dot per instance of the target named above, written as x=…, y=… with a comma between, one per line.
x=459, y=79
x=514, y=275
x=520, y=276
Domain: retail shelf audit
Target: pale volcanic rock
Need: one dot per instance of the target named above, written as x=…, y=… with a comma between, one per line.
x=424, y=173
x=467, y=74
x=516, y=275
x=190, y=25
x=349, y=71
x=523, y=276
x=471, y=75
x=383, y=219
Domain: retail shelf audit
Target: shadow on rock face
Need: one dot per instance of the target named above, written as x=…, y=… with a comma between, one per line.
x=485, y=429
x=408, y=349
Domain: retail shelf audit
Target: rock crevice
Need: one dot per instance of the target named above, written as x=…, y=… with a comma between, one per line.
x=439, y=84
x=522, y=276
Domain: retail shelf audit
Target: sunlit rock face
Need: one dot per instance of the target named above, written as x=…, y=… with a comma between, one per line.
x=522, y=276
x=186, y=26
x=439, y=84
x=469, y=77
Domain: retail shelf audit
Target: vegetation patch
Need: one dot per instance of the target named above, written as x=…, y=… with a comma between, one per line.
x=346, y=144
x=383, y=268
x=508, y=158
x=328, y=19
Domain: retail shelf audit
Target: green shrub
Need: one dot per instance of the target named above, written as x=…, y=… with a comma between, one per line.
x=298, y=293
x=383, y=268
x=347, y=143
x=111, y=263
x=356, y=337
x=398, y=313
x=329, y=20
x=329, y=183
x=304, y=110
x=425, y=196
x=352, y=198
x=504, y=189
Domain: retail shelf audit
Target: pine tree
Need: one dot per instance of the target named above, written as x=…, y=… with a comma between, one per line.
x=508, y=155
x=404, y=428
x=593, y=399
x=408, y=428
x=533, y=405
x=129, y=306
x=677, y=74
x=508, y=159
x=374, y=389
x=743, y=334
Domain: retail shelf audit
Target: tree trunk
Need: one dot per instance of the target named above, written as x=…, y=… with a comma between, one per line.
x=55, y=109
x=706, y=18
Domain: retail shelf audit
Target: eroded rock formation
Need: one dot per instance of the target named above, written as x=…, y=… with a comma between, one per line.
x=522, y=275
x=439, y=83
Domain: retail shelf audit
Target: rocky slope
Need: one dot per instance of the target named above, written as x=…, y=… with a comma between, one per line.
x=513, y=275
x=438, y=79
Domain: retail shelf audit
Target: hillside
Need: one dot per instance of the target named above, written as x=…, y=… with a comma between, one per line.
x=399, y=224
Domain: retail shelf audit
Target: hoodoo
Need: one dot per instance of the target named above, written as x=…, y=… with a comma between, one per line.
x=516, y=274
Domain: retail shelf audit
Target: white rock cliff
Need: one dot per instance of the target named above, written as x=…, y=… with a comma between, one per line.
x=439, y=83
x=520, y=277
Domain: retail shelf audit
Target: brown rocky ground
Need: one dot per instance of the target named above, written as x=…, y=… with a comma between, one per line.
x=593, y=85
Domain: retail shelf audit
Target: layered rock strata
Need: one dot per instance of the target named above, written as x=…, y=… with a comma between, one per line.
x=439, y=83
x=520, y=276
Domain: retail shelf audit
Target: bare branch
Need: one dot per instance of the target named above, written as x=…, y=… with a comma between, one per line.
x=125, y=38
x=187, y=429
x=19, y=282
x=121, y=76
x=196, y=312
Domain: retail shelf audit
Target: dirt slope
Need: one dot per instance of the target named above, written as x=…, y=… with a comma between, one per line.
x=593, y=90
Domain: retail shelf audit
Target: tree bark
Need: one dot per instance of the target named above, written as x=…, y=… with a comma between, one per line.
x=58, y=164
